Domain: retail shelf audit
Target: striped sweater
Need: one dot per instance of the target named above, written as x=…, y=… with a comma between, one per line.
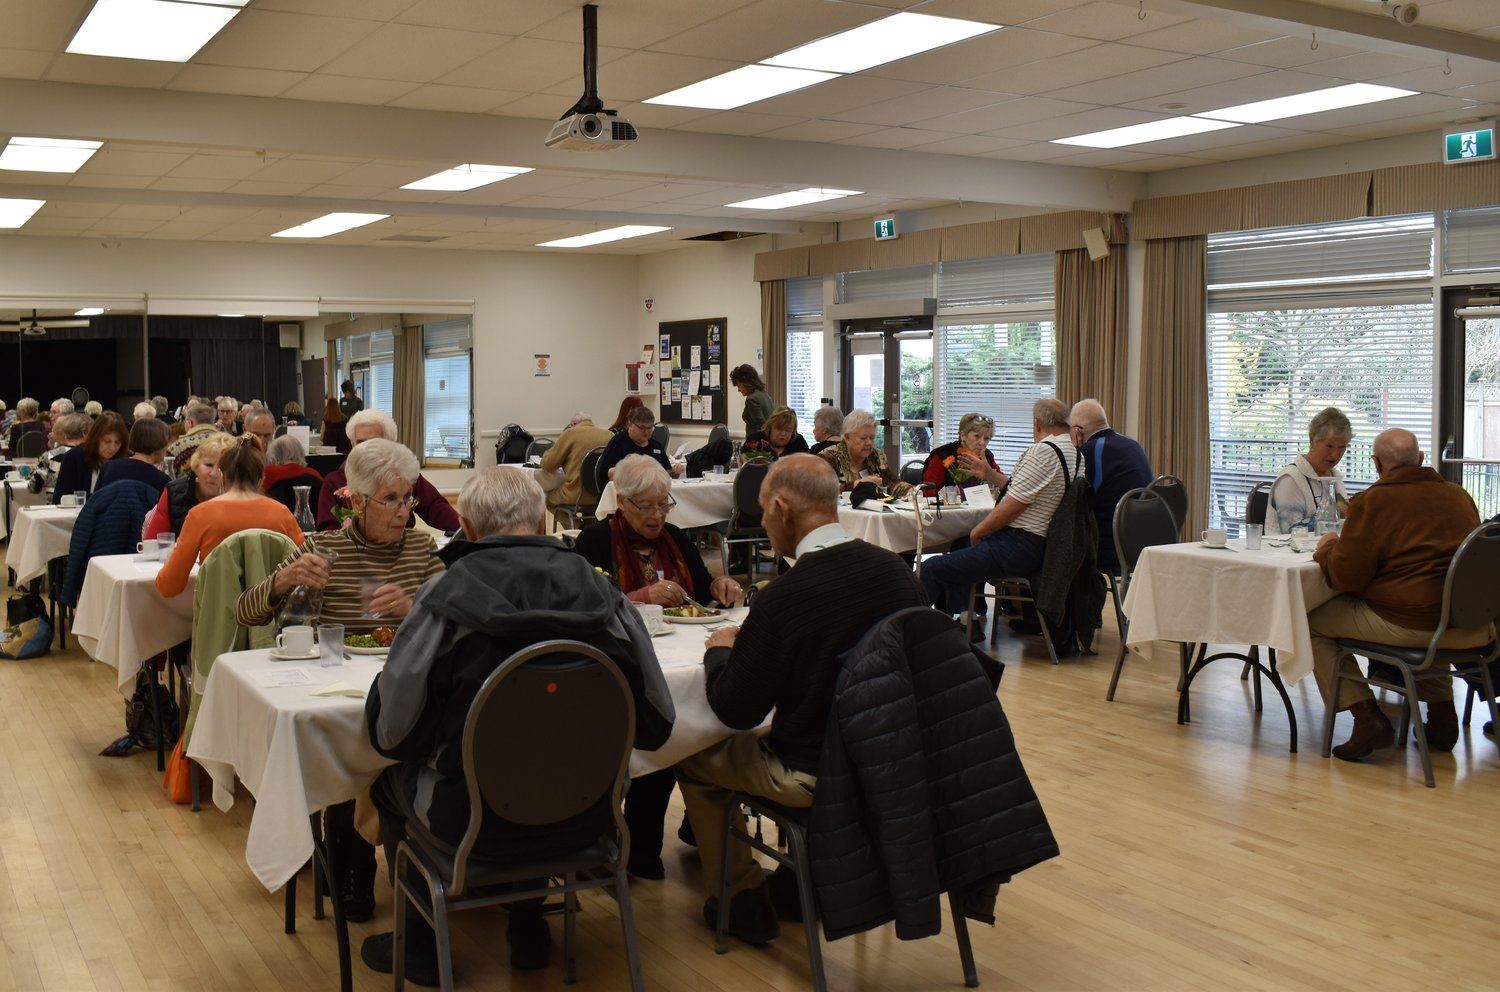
x=408, y=563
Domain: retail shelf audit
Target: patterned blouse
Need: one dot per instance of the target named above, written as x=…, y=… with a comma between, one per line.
x=849, y=473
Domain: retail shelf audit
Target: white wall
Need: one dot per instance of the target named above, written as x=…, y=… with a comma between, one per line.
x=572, y=306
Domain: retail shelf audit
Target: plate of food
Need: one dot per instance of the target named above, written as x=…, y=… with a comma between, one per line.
x=378, y=641
x=690, y=613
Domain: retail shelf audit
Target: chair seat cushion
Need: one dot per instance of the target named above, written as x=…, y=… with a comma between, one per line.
x=483, y=872
x=1415, y=656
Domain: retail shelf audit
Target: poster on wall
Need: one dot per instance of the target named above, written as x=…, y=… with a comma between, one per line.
x=541, y=365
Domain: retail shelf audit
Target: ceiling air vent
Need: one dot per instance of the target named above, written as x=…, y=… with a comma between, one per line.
x=420, y=239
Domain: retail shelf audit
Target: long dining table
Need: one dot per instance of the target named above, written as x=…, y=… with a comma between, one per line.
x=40, y=534
x=121, y=620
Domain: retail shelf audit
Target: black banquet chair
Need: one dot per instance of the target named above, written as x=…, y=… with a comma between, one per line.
x=556, y=712
x=1471, y=599
x=1171, y=489
x=745, y=528
x=1142, y=520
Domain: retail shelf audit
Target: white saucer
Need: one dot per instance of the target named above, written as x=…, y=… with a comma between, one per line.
x=279, y=655
x=665, y=629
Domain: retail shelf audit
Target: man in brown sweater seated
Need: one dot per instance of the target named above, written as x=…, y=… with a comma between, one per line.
x=1390, y=562
x=785, y=658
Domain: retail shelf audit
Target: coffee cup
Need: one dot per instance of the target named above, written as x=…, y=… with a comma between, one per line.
x=651, y=617
x=68, y=501
x=1215, y=537
x=148, y=549
x=295, y=640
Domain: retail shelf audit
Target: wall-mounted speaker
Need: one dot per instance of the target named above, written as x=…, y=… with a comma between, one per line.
x=1097, y=244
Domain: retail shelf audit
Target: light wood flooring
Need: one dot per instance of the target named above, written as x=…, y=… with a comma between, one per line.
x=1197, y=857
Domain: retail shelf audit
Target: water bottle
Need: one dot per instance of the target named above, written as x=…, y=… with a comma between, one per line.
x=303, y=513
x=1326, y=517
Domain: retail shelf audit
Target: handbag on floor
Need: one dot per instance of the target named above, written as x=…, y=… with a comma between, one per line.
x=28, y=632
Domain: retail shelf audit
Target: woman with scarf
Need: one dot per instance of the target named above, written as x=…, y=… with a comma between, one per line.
x=653, y=562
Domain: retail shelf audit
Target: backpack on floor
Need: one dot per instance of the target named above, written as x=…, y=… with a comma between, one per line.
x=28, y=631
x=140, y=711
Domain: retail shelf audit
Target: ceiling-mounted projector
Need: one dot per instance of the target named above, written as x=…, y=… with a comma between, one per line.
x=587, y=126
x=1404, y=13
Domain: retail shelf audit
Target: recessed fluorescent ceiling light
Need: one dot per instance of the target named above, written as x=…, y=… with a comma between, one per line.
x=1316, y=102
x=747, y=84
x=155, y=30
x=231, y=315
x=465, y=177
x=322, y=227
x=885, y=40
x=14, y=213
x=796, y=198
x=1135, y=134
x=600, y=237
x=46, y=154
x=89, y=312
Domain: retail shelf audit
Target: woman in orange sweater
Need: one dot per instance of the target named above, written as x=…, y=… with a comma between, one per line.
x=241, y=507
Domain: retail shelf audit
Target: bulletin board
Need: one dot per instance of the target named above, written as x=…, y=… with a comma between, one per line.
x=694, y=353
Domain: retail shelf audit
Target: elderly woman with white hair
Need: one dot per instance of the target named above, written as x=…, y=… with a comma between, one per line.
x=1297, y=491
x=856, y=460
x=828, y=428
x=369, y=573
x=366, y=425
x=286, y=470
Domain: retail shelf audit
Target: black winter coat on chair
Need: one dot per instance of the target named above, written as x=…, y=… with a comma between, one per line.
x=920, y=789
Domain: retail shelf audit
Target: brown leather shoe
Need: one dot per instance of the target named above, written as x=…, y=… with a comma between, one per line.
x=751, y=916
x=1442, y=727
x=1372, y=730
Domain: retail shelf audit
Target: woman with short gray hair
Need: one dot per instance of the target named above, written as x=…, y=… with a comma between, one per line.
x=1297, y=490
x=828, y=425
x=287, y=470
x=856, y=459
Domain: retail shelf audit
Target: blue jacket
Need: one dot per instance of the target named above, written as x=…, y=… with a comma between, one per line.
x=109, y=524
x=1115, y=464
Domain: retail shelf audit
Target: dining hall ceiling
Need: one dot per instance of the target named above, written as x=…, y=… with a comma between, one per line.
x=301, y=107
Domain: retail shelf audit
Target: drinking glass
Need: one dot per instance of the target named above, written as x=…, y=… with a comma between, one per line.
x=367, y=586
x=330, y=644
x=1253, y=533
x=165, y=541
x=81, y=497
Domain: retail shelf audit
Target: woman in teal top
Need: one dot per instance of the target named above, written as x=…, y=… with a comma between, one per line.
x=758, y=404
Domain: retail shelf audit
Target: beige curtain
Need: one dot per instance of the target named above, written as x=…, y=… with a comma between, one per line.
x=1174, y=368
x=1092, y=329
x=773, y=338
x=409, y=388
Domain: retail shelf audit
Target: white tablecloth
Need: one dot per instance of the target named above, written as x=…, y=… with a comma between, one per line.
x=680, y=655
x=122, y=620
x=40, y=535
x=1190, y=593
x=297, y=753
x=16, y=496
x=896, y=529
x=700, y=502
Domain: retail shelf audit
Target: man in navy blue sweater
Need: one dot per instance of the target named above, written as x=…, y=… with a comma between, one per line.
x=1115, y=464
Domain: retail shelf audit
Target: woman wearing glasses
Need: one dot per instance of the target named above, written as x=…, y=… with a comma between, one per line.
x=967, y=460
x=653, y=562
x=369, y=572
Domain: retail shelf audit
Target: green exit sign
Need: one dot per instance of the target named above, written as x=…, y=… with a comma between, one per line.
x=1469, y=146
x=885, y=229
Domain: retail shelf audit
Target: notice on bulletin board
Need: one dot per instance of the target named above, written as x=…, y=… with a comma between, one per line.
x=697, y=359
x=713, y=377
x=541, y=365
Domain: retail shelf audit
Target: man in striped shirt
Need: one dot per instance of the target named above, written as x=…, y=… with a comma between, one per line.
x=1011, y=541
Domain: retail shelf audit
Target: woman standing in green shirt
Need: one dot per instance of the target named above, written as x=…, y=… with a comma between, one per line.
x=758, y=404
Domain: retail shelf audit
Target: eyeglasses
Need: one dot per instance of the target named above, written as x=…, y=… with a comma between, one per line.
x=650, y=508
x=394, y=503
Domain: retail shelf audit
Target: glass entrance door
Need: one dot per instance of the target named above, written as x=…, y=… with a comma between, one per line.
x=1471, y=404
x=888, y=371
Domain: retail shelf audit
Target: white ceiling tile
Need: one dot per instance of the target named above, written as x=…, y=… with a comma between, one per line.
x=536, y=106
x=384, y=176
x=739, y=122
x=460, y=99
x=652, y=114
x=267, y=39
x=1232, y=93
x=1021, y=110
x=1198, y=71
x=412, y=52
x=1365, y=66
x=236, y=80
x=374, y=10
x=1009, y=12
x=639, y=23
x=896, y=137
x=1202, y=37
x=939, y=101
x=1087, y=65
x=1068, y=125
x=45, y=27
x=837, y=95
x=1105, y=21
x=641, y=75
x=16, y=63
x=302, y=170
x=181, y=185
x=1374, y=113
x=820, y=131
x=1418, y=122
x=1483, y=93
x=218, y=167
x=1273, y=146
x=1440, y=79
x=1193, y=144
x=345, y=89
x=110, y=161
x=1287, y=53
x=1040, y=152
x=513, y=17
x=969, y=144
x=258, y=188
x=528, y=65
x=99, y=71
x=367, y=191
x=766, y=28
x=1461, y=15
x=1003, y=52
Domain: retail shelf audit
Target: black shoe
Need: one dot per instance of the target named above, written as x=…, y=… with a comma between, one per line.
x=751, y=916
x=685, y=833
x=421, y=963
x=1489, y=728
x=781, y=884
x=357, y=893
x=1022, y=626
x=530, y=940
x=647, y=867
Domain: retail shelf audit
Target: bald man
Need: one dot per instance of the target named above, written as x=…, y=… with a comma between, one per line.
x=1115, y=465
x=1390, y=562
x=784, y=660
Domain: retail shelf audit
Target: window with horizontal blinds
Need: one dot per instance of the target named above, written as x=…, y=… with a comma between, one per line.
x=447, y=335
x=1471, y=240
x=804, y=299
x=998, y=368
x=382, y=385
x=804, y=349
x=448, y=405
x=1000, y=281
x=904, y=283
x=1373, y=249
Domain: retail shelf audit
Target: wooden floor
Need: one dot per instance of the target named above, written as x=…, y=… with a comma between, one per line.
x=1197, y=857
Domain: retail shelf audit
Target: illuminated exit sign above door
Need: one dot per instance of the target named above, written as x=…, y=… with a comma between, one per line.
x=885, y=229
x=1474, y=145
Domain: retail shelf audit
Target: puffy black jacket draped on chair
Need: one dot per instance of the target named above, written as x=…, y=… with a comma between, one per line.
x=109, y=524
x=920, y=789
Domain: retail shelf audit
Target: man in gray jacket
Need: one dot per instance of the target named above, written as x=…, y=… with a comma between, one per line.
x=506, y=587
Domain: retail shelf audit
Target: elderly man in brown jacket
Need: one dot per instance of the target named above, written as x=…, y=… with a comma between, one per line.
x=1390, y=562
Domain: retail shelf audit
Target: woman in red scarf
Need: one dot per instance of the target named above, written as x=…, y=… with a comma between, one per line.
x=653, y=562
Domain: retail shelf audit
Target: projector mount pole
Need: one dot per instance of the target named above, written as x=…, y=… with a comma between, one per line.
x=590, y=102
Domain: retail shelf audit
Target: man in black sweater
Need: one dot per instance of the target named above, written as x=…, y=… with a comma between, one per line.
x=784, y=658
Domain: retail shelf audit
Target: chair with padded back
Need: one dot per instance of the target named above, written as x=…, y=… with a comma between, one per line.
x=662, y=434
x=32, y=444
x=1171, y=489
x=538, y=448
x=547, y=739
x=1471, y=599
x=1257, y=505
x=745, y=528
x=581, y=513
x=911, y=472
x=1142, y=520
